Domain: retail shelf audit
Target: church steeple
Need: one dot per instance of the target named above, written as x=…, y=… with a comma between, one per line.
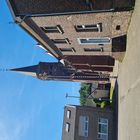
x=30, y=70
x=57, y=71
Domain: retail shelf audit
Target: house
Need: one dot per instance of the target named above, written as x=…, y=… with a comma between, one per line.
x=88, y=123
x=87, y=34
x=101, y=91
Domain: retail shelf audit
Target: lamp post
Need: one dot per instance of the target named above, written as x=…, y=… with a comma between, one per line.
x=70, y=96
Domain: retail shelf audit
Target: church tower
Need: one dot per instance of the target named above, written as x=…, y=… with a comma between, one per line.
x=59, y=72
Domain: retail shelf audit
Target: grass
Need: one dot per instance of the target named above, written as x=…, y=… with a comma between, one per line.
x=111, y=94
x=105, y=103
x=112, y=97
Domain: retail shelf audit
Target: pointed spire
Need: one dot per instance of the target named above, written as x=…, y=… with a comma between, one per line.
x=57, y=71
x=30, y=70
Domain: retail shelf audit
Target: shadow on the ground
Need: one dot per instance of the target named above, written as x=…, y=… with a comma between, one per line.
x=115, y=109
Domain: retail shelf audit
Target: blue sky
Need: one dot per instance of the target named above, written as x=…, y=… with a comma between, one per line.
x=30, y=109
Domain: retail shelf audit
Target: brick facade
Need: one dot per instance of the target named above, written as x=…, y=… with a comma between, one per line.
x=106, y=39
x=63, y=6
x=109, y=20
x=94, y=114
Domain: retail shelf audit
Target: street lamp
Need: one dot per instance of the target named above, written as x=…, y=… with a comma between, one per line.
x=70, y=96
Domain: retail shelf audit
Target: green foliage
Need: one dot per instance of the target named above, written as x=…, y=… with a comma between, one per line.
x=84, y=91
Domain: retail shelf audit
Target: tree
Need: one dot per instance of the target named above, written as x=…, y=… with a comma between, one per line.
x=84, y=91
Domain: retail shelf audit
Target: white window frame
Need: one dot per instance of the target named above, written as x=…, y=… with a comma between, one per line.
x=52, y=29
x=93, y=27
x=68, y=114
x=67, y=50
x=97, y=41
x=100, y=134
x=84, y=132
x=67, y=127
x=61, y=41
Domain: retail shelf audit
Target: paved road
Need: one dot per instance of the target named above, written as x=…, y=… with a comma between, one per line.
x=129, y=83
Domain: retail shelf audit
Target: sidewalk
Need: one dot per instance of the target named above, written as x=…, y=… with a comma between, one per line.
x=129, y=83
x=113, y=80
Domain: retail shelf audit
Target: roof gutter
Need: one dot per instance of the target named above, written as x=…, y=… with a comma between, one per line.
x=11, y=7
x=67, y=13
